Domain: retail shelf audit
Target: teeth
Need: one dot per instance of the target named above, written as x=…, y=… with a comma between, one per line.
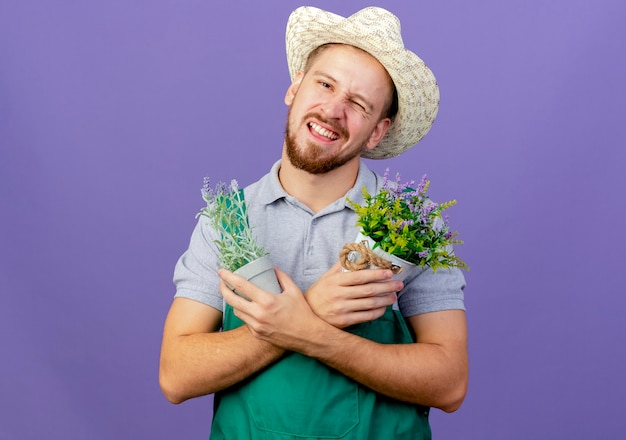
x=322, y=131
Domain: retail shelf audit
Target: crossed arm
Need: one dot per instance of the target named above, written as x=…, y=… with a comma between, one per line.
x=196, y=359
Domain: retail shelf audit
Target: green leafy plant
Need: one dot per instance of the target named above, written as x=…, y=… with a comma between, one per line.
x=404, y=222
x=226, y=210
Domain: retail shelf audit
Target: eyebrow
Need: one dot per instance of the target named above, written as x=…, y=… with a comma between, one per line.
x=358, y=96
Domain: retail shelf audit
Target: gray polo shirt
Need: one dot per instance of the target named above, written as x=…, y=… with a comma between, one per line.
x=305, y=245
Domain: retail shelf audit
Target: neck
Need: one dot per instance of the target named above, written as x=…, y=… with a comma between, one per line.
x=317, y=191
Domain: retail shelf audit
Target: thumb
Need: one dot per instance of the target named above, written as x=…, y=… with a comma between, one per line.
x=285, y=281
x=336, y=268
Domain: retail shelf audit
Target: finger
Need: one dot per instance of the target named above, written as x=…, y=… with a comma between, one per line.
x=241, y=285
x=385, y=287
x=374, y=302
x=234, y=300
x=368, y=296
x=336, y=268
x=359, y=277
x=242, y=308
x=285, y=281
x=369, y=275
x=359, y=317
x=370, y=315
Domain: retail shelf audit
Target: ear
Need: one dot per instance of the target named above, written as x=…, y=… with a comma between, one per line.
x=378, y=133
x=293, y=88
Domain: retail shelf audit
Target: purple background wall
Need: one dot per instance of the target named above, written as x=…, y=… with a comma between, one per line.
x=111, y=113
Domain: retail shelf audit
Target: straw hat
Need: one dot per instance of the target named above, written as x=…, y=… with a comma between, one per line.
x=376, y=31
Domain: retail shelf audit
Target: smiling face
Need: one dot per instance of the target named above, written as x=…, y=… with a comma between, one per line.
x=336, y=109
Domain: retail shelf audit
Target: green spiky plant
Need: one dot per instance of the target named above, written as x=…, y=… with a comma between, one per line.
x=404, y=222
x=226, y=210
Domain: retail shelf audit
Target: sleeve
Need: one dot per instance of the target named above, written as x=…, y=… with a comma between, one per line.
x=432, y=292
x=195, y=274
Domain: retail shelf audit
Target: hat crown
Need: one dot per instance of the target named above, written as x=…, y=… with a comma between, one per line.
x=378, y=23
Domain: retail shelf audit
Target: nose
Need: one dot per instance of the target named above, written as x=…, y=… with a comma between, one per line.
x=334, y=107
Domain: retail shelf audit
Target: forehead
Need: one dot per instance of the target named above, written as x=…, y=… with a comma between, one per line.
x=339, y=51
x=351, y=65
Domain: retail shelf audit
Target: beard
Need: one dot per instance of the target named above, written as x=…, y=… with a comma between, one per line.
x=310, y=158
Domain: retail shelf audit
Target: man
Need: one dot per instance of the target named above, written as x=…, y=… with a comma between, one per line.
x=328, y=357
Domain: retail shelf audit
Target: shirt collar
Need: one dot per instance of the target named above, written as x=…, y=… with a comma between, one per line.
x=271, y=189
x=366, y=178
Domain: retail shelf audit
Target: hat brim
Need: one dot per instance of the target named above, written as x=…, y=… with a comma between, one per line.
x=376, y=31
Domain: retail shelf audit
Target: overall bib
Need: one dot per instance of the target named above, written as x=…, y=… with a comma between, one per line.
x=300, y=398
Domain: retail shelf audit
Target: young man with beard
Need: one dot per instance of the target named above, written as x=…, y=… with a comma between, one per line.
x=326, y=358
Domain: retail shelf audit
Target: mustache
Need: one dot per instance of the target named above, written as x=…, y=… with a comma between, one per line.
x=333, y=124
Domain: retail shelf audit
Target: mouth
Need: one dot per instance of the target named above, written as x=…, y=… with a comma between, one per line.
x=321, y=131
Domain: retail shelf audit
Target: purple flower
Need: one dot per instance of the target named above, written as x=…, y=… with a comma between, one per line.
x=396, y=188
x=206, y=188
x=400, y=187
x=221, y=188
x=404, y=223
x=426, y=210
x=421, y=185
